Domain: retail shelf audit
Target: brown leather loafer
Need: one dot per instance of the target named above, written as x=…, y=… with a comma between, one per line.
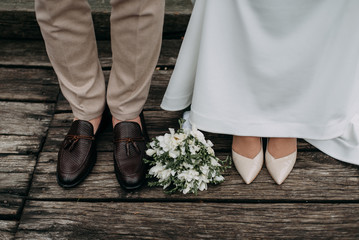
x=129, y=151
x=77, y=154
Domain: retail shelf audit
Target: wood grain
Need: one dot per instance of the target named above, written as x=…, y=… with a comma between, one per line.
x=10, y=206
x=18, y=20
x=10, y=144
x=7, y=229
x=15, y=183
x=26, y=119
x=15, y=176
x=156, y=220
x=32, y=53
x=172, y=6
x=16, y=171
x=17, y=163
x=35, y=85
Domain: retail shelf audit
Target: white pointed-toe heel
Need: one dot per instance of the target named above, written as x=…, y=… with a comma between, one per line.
x=248, y=168
x=280, y=168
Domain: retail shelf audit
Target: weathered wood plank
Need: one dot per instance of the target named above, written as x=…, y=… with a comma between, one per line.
x=172, y=6
x=25, y=119
x=19, y=84
x=18, y=24
x=158, y=88
x=15, y=183
x=18, y=20
x=32, y=53
x=17, y=163
x=15, y=176
x=15, y=173
x=316, y=176
x=23, y=53
x=10, y=206
x=169, y=51
x=10, y=144
x=80, y=220
x=7, y=229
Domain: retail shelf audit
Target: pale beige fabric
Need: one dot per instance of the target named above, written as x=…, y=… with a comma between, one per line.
x=136, y=33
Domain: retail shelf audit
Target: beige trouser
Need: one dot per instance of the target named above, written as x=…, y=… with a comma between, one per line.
x=136, y=33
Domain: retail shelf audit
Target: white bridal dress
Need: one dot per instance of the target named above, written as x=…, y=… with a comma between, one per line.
x=273, y=68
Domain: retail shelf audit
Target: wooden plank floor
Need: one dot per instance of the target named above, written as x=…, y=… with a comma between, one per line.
x=320, y=199
x=17, y=18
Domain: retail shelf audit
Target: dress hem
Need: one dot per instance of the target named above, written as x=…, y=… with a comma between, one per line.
x=268, y=129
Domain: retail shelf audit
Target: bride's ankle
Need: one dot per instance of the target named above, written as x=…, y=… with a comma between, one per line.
x=246, y=146
x=281, y=147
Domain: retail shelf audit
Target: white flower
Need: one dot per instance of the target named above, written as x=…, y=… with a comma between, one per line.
x=202, y=186
x=160, y=138
x=219, y=178
x=188, y=175
x=161, y=172
x=214, y=162
x=152, y=144
x=150, y=152
x=198, y=135
x=210, y=150
x=205, y=170
x=183, y=150
x=188, y=188
x=174, y=143
x=179, y=137
x=172, y=131
x=159, y=152
x=165, y=174
x=156, y=169
x=174, y=154
x=194, y=149
x=203, y=178
x=186, y=165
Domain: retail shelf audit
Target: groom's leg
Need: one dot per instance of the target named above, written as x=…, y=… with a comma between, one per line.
x=67, y=29
x=136, y=34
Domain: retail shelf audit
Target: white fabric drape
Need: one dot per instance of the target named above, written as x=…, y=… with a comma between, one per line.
x=273, y=68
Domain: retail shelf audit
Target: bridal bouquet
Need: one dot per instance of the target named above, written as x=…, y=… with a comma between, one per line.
x=184, y=161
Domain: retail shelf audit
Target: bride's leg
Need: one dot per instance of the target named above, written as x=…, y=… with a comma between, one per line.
x=281, y=147
x=246, y=146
